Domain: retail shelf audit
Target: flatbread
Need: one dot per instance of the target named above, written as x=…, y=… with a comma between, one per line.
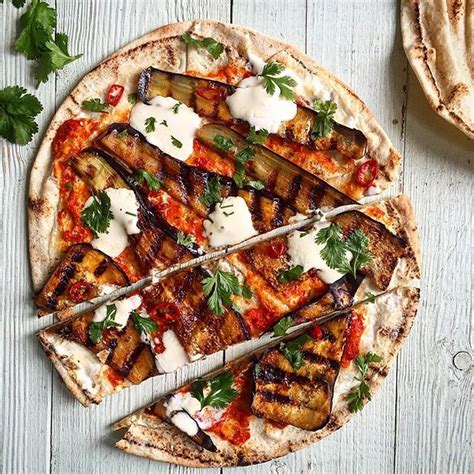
x=438, y=37
x=163, y=49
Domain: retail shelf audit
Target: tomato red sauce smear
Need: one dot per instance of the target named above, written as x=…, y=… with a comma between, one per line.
x=351, y=350
x=114, y=377
x=229, y=74
x=207, y=159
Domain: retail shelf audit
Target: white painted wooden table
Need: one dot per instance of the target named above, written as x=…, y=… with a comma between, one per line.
x=421, y=420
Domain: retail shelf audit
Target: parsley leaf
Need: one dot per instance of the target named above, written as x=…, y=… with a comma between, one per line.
x=96, y=328
x=176, y=107
x=132, y=98
x=17, y=111
x=356, y=398
x=292, y=350
x=214, y=48
x=223, y=143
x=220, y=392
x=97, y=215
x=176, y=142
x=370, y=297
x=212, y=194
x=185, y=240
x=272, y=79
x=219, y=287
x=325, y=118
x=94, y=105
x=142, y=175
x=257, y=136
x=150, y=124
x=241, y=159
x=282, y=326
x=164, y=123
x=291, y=274
x=144, y=325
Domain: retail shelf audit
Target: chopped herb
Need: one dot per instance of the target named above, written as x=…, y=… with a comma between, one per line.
x=241, y=159
x=150, y=123
x=212, y=194
x=122, y=133
x=142, y=175
x=370, y=297
x=303, y=234
x=356, y=398
x=97, y=215
x=16, y=3
x=176, y=107
x=132, y=98
x=292, y=350
x=219, y=287
x=256, y=369
x=257, y=137
x=185, y=240
x=227, y=214
x=17, y=112
x=144, y=325
x=95, y=105
x=291, y=274
x=219, y=391
x=176, y=142
x=96, y=328
x=214, y=48
x=68, y=185
x=272, y=79
x=130, y=214
x=282, y=326
x=164, y=123
x=223, y=143
x=325, y=118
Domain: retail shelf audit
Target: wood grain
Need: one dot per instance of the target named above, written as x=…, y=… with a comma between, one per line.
x=421, y=421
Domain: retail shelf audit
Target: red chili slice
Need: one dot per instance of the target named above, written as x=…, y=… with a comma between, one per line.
x=276, y=249
x=367, y=173
x=80, y=291
x=114, y=94
x=316, y=332
x=209, y=93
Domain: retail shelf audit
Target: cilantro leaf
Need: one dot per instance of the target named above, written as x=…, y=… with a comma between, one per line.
x=17, y=111
x=142, y=175
x=96, y=328
x=185, y=240
x=325, y=118
x=144, y=325
x=272, y=80
x=292, y=350
x=291, y=274
x=176, y=142
x=223, y=143
x=219, y=287
x=257, y=136
x=150, y=124
x=220, y=392
x=94, y=105
x=214, y=48
x=212, y=193
x=97, y=215
x=282, y=326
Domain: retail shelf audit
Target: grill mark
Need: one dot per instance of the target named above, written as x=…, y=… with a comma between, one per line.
x=271, y=181
x=255, y=208
x=277, y=220
x=272, y=374
x=68, y=273
x=316, y=198
x=243, y=325
x=112, y=345
x=294, y=188
x=319, y=359
x=183, y=181
x=275, y=397
x=131, y=359
x=78, y=257
x=101, y=268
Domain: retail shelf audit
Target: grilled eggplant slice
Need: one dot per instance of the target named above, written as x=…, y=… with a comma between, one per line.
x=187, y=89
x=301, y=397
x=78, y=278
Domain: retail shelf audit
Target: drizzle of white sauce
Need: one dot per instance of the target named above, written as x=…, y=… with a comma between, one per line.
x=106, y=289
x=229, y=223
x=174, y=355
x=124, y=207
x=124, y=308
x=303, y=250
x=171, y=121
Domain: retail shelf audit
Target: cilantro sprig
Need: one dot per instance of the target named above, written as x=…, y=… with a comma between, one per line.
x=240, y=179
x=219, y=287
x=223, y=143
x=98, y=214
x=219, y=391
x=214, y=48
x=292, y=350
x=142, y=175
x=282, y=326
x=212, y=193
x=257, y=137
x=96, y=328
x=17, y=112
x=289, y=275
x=95, y=105
x=356, y=398
x=144, y=325
x=185, y=240
x=325, y=118
x=272, y=79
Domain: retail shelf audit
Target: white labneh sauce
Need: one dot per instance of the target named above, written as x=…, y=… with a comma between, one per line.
x=185, y=423
x=174, y=355
x=229, y=223
x=124, y=207
x=303, y=250
x=252, y=103
x=175, y=125
x=180, y=409
x=124, y=308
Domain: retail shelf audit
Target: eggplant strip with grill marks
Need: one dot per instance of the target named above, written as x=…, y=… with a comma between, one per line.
x=154, y=82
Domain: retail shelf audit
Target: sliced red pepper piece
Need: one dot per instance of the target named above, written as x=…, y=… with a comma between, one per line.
x=114, y=94
x=80, y=291
x=367, y=173
x=276, y=249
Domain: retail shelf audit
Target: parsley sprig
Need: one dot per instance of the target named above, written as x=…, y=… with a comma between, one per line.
x=95, y=105
x=356, y=398
x=257, y=137
x=273, y=80
x=292, y=350
x=185, y=240
x=144, y=325
x=98, y=214
x=96, y=328
x=240, y=179
x=212, y=193
x=214, y=48
x=289, y=275
x=219, y=287
x=220, y=392
x=223, y=143
x=17, y=112
x=325, y=118
x=282, y=326
x=142, y=175
x=150, y=123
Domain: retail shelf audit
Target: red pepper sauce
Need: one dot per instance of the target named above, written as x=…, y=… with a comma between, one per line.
x=114, y=377
x=230, y=74
x=207, y=159
x=351, y=350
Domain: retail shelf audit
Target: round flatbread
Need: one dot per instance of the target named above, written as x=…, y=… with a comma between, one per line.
x=438, y=40
x=164, y=49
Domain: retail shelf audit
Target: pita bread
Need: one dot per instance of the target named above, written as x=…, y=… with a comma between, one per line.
x=438, y=40
x=163, y=49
